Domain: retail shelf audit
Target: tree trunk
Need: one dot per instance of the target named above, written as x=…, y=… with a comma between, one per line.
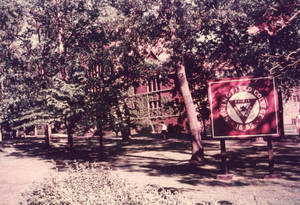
x=14, y=134
x=24, y=132
x=70, y=140
x=194, y=124
x=59, y=37
x=101, y=144
x=1, y=137
x=69, y=126
x=204, y=128
x=101, y=147
x=59, y=28
x=126, y=130
x=124, y=117
x=125, y=133
x=48, y=135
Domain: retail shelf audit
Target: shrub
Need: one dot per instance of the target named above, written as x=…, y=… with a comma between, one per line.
x=144, y=126
x=96, y=185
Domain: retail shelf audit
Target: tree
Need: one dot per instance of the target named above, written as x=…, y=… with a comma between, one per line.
x=38, y=90
x=86, y=40
x=211, y=40
x=83, y=56
x=165, y=25
x=63, y=29
x=278, y=22
x=59, y=41
x=13, y=73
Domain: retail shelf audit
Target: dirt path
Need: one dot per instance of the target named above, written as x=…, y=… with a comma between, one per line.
x=148, y=160
x=18, y=173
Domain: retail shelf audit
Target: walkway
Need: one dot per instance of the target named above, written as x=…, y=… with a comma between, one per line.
x=18, y=173
x=149, y=160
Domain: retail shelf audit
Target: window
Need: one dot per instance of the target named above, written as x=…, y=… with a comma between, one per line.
x=154, y=84
x=296, y=98
x=154, y=101
x=134, y=90
x=149, y=86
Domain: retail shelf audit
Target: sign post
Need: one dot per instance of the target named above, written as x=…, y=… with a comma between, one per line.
x=224, y=157
x=243, y=108
x=224, y=165
x=271, y=174
x=271, y=156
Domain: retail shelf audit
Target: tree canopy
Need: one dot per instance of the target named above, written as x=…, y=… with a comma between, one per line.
x=74, y=61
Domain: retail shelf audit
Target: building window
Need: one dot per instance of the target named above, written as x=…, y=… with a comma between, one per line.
x=296, y=98
x=154, y=101
x=149, y=86
x=294, y=121
x=134, y=89
x=158, y=83
x=154, y=84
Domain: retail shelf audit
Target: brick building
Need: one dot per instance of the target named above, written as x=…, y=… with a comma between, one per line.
x=154, y=102
x=290, y=110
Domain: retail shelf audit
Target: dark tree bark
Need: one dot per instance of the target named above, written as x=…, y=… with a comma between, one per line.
x=48, y=135
x=1, y=138
x=99, y=132
x=70, y=131
x=70, y=139
x=126, y=130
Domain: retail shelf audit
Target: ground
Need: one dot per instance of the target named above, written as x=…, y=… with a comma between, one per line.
x=151, y=160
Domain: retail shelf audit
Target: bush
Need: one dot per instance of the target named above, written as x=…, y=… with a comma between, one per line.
x=96, y=185
x=144, y=126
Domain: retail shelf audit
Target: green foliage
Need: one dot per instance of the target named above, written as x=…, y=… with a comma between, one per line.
x=144, y=126
x=53, y=86
x=14, y=77
x=45, y=77
x=213, y=41
x=58, y=61
x=97, y=185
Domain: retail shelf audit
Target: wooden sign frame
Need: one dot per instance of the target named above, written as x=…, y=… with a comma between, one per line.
x=244, y=107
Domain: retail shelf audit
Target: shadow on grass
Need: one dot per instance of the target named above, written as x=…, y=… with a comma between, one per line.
x=169, y=158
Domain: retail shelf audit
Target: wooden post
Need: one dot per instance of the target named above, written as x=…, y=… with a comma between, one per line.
x=24, y=132
x=224, y=165
x=35, y=130
x=223, y=157
x=271, y=174
x=271, y=156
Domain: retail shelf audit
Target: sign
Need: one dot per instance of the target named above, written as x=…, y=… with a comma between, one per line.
x=245, y=107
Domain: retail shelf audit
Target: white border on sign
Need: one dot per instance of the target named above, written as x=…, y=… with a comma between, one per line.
x=244, y=136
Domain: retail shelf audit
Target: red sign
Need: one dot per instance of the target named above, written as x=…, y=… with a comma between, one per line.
x=245, y=107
